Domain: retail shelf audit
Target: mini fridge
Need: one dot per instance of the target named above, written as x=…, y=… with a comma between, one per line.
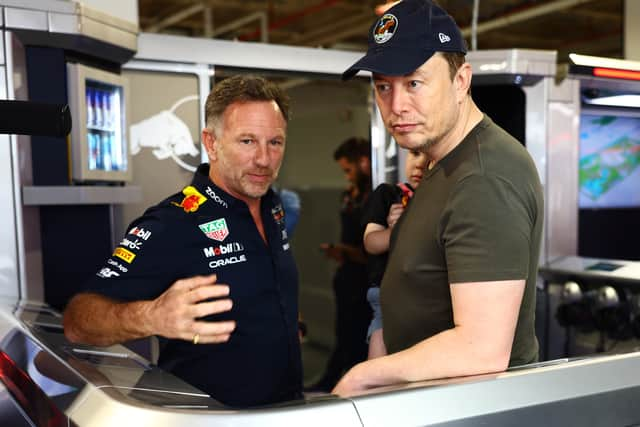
x=99, y=146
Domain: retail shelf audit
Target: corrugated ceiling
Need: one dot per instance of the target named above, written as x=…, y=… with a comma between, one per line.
x=591, y=27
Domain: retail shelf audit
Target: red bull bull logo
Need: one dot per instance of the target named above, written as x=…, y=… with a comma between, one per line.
x=192, y=200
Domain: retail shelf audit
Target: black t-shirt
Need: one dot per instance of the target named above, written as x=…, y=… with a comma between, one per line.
x=350, y=279
x=200, y=231
x=351, y=211
x=376, y=211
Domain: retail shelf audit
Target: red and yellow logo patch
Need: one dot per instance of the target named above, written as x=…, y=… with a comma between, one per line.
x=192, y=199
x=124, y=255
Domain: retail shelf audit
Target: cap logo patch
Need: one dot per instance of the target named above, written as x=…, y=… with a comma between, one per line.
x=385, y=28
x=444, y=38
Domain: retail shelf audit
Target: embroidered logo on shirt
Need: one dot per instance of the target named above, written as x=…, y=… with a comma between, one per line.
x=124, y=255
x=117, y=265
x=131, y=244
x=227, y=261
x=140, y=232
x=219, y=200
x=278, y=213
x=107, y=273
x=216, y=229
x=192, y=200
x=229, y=248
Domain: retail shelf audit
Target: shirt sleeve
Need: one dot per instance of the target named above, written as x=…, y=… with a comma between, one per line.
x=377, y=207
x=486, y=231
x=142, y=266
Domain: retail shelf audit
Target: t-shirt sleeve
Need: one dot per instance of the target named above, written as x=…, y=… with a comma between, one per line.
x=142, y=265
x=377, y=207
x=486, y=231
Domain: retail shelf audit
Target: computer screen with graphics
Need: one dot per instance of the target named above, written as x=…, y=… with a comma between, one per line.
x=609, y=169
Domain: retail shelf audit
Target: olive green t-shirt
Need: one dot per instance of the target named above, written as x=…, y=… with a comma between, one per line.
x=477, y=216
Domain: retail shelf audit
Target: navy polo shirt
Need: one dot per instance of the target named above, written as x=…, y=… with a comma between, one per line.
x=203, y=230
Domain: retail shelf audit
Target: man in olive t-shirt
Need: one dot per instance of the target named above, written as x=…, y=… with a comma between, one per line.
x=458, y=295
x=478, y=218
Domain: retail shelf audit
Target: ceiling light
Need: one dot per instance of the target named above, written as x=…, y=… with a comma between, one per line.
x=616, y=74
x=632, y=101
x=595, y=61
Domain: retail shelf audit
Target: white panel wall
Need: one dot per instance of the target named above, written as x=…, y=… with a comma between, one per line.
x=9, y=285
x=8, y=255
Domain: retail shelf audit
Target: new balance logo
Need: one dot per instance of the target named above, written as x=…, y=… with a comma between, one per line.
x=444, y=38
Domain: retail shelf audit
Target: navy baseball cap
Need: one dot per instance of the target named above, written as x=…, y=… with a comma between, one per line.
x=406, y=36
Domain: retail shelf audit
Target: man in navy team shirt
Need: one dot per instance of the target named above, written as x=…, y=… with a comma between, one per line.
x=209, y=269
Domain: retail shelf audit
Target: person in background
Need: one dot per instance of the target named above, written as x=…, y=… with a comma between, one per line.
x=458, y=294
x=210, y=269
x=353, y=313
x=291, y=204
x=292, y=207
x=382, y=211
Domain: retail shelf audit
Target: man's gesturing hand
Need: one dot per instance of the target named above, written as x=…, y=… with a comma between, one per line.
x=175, y=313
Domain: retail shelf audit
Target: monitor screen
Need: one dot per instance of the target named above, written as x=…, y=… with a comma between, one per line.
x=609, y=160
